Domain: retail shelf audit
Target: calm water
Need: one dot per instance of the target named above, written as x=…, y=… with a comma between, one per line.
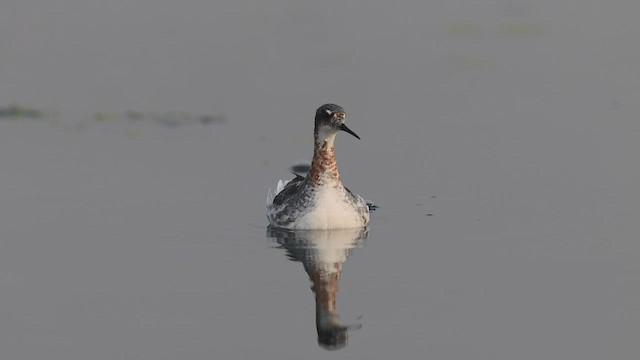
x=500, y=141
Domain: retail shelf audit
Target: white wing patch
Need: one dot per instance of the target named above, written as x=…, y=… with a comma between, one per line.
x=281, y=185
x=272, y=195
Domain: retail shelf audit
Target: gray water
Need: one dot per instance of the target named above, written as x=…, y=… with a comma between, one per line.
x=499, y=138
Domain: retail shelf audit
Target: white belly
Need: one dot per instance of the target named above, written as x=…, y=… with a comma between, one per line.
x=331, y=210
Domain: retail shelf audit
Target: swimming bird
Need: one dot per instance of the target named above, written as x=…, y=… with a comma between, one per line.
x=319, y=200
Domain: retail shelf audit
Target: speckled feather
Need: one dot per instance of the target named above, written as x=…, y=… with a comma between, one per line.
x=319, y=200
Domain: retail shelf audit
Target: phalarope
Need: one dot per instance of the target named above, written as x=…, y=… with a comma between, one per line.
x=323, y=253
x=319, y=200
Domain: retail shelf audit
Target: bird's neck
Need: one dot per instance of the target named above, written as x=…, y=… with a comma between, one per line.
x=324, y=168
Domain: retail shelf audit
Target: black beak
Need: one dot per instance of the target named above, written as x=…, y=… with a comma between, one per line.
x=344, y=128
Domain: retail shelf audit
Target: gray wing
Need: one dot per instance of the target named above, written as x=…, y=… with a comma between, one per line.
x=290, y=189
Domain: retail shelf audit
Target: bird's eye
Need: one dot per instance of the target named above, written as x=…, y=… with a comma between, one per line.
x=329, y=112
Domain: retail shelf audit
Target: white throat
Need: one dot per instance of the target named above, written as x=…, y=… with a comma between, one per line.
x=326, y=135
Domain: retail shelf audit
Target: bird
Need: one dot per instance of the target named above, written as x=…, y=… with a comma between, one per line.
x=319, y=200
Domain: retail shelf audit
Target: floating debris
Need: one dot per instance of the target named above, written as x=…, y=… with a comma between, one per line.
x=134, y=115
x=208, y=119
x=15, y=111
x=169, y=119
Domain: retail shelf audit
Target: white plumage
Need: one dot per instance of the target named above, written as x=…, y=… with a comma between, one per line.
x=319, y=200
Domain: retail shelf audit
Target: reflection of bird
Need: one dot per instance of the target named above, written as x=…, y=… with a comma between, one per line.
x=319, y=200
x=322, y=254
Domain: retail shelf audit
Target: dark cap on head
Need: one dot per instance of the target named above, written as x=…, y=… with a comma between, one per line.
x=332, y=115
x=327, y=110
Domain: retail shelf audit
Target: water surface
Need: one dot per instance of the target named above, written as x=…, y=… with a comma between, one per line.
x=500, y=141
